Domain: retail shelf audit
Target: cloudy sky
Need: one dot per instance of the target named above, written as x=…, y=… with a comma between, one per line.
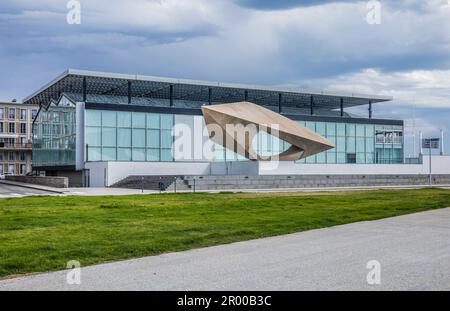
x=320, y=45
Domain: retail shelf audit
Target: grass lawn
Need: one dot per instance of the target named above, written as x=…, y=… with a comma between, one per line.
x=43, y=233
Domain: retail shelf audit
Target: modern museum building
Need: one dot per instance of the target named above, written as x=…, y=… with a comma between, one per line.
x=99, y=128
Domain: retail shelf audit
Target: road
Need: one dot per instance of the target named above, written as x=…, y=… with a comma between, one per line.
x=413, y=252
x=10, y=191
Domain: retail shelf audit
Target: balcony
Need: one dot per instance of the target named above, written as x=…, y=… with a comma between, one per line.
x=7, y=146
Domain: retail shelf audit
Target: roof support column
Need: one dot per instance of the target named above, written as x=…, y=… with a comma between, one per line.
x=246, y=95
x=280, y=100
x=342, y=107
x=171, y=95
x=129, y=92
x=370, y=109
x=84, y=89
x=210, y=96
x=311, y=105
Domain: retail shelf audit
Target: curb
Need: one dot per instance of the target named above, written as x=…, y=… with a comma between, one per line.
x=30, y=186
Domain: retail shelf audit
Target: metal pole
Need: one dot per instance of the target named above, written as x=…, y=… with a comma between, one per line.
x=142, y=184
x=442, y=142
x=430, y=164
x=175, y=188
x=194, y=184
x=420, y=142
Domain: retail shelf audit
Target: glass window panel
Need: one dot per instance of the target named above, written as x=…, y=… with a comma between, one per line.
x=370, y=130
x=360, y=158
x=340, y=144
x=331, y=157
x=153, y=138
x=360, y=130
x=109, y=118
x=370, y=147
x=321, y=157
x=124, y=137
x=138, y=119
x=360, y=142
x=166, y=121
x=153, y=155
x=350, y=130
x=109, y=136
x=166, y=155
x=109, y=154
x=331, y=129
x=124, y=154
x=351, y=145
x=219, y=153
x=153, y=120
x=320, y=128
x=94, y=154
x=230, y=155
x=138, y=154
x=311, y=159
x=93, y=117
x=340, y=129
x=369, y=158
x=93, y=136
x=124, y=119
x=311, y=125
x=138, y=138
x=166, y=139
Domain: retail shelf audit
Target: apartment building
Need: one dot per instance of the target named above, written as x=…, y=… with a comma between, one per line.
x=16, y=121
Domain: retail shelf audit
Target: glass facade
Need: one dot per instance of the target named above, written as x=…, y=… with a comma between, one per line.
x=54, y=137
x=140, y=136
x=128, y=136
x=356, y=143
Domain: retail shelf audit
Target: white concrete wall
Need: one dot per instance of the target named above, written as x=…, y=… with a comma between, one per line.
x=440, y=165
x=108, y=173
x=117, y=171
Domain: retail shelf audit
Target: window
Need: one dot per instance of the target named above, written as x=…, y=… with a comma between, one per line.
x=12, y=128
x=351, y=158
x=11, y=169
x=23, y=169
x=12, y=113
x=1, y=168
x=23, y=128
x=34, y=113
x=2, y=111
x=1, y=126
x=22, y=156
x=11, y=156
x=1, y=158
x=23, y=114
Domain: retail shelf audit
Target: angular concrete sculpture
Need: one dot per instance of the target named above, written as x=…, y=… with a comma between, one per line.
x=235, y=125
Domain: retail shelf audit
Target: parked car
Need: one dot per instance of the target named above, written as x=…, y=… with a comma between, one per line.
x=2, y=176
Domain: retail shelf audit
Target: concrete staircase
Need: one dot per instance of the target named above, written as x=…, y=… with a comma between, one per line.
x=146, y=182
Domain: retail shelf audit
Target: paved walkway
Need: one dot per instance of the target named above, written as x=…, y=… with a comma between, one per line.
x=413, y=251
x=8, y=190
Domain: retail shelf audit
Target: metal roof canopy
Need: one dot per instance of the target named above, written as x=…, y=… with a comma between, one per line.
x=114, y=84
